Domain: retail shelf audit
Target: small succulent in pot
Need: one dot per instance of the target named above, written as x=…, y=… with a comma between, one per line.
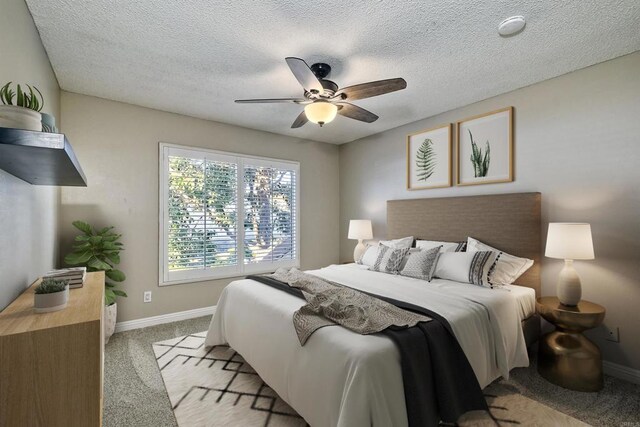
x=51, y=295
x=50, y=286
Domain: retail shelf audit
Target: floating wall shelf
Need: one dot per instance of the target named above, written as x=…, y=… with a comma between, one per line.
x=40, y=158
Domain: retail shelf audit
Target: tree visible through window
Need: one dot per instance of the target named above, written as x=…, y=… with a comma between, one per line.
x=269, y=228
x=205, y=194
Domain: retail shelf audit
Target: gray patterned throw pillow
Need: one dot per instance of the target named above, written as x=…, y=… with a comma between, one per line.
x=421, y=264
x=389, y=259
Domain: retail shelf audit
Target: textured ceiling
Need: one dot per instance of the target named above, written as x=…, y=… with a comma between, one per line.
x=196, y=57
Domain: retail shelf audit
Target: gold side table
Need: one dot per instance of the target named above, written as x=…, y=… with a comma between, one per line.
x=565, y=356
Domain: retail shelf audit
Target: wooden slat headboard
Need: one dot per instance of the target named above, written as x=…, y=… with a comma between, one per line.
x=509, y=222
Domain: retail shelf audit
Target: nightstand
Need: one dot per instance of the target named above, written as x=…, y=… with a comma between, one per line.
x=565, y=356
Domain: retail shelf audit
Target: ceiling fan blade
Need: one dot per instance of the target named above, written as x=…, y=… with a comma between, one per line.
x=303, y=73
x=300, y=120
x=356, y=113
x=262, y=101
x=368, y=90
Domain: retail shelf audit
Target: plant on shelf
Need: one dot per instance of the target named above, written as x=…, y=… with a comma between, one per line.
x=99, y=250
x=25, y=112
x=50, y=286
x=31, y=100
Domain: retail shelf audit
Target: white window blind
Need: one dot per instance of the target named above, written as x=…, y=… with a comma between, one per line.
x=225, y=215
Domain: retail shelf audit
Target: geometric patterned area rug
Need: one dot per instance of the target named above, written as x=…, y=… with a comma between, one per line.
x=215, y=387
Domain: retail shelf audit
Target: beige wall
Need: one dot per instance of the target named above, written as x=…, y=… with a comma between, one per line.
x=117, y=145
x=577, y=141
x=28, y=213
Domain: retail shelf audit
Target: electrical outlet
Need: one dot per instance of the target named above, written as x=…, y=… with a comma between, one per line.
x=613, y=334
x=147, y=296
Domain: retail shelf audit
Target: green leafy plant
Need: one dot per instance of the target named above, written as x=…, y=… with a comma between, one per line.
x=50, y=286
x=99, y=250
x=480, y=162
x=426, y=160
x=31, y=100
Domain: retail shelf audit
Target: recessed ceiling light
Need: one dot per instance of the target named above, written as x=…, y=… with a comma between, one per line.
x=511, y=26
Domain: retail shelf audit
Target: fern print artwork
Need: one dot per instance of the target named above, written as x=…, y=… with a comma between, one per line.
x=429, y=158
x=480, y=162
x=425, y=160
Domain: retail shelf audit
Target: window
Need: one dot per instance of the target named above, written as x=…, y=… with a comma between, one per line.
x=224, y=215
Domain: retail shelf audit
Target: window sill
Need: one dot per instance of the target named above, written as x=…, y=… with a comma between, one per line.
x=233, y=275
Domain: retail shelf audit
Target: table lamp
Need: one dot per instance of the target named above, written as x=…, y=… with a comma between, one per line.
x=569, y=241
x=360, y=229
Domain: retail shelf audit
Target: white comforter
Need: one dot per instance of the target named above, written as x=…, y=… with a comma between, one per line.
x=340, y=378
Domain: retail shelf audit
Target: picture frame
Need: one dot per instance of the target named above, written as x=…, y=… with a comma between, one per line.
x=429, y=158
x=491, y=162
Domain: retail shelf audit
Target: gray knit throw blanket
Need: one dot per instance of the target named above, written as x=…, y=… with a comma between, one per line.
x=330, y=303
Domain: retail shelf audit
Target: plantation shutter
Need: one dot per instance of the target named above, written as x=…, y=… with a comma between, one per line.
x=225, y=215
x=201, y=214
x=270, y=212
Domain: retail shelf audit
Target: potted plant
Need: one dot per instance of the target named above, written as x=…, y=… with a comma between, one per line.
x=51, y=295
x=25, y=113
x=99, y=250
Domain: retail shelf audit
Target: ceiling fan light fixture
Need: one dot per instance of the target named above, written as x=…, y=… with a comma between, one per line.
x=321, y=112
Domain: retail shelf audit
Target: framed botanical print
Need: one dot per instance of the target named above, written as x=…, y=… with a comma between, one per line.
x=485, y=148
x=429, y=158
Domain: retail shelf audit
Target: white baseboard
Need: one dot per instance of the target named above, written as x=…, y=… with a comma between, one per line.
x=622, y=372
x=164, y=318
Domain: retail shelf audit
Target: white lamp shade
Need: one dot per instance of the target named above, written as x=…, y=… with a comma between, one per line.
x=320, y=112
x=360, y=229
x=567, y=240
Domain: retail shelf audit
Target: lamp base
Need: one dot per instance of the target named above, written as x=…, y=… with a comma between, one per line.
x=569, y=288
x=359, y=251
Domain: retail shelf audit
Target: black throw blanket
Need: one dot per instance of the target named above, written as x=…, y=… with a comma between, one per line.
x=439, y=383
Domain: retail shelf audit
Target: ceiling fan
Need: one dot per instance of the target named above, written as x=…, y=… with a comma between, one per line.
x=323, y=99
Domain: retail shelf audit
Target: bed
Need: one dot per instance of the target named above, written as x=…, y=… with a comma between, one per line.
x=340, y=378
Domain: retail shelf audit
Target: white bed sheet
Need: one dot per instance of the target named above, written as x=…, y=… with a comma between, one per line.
x=526, y=298
x=340, y=378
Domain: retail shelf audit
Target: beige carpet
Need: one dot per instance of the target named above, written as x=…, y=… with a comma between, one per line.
x=216, y=387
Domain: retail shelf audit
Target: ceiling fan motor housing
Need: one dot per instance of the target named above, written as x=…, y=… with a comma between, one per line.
x=330, y=88
x=321, y=69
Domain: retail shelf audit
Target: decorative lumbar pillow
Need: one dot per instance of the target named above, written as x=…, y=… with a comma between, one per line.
x=508, y=267
x=420, y=264
x=445, y=246
x=389, y=259
x=466, y=267
x=405, y=242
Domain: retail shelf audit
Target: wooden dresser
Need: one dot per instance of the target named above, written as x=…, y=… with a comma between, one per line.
x=51, y=364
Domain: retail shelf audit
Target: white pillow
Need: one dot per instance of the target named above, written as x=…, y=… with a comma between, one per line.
x=405, y=242
x=370, y=256
x=466, y=267
x=508, y=267
x=445, y=246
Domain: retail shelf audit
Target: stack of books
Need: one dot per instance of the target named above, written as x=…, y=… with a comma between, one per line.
x=75, y=276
